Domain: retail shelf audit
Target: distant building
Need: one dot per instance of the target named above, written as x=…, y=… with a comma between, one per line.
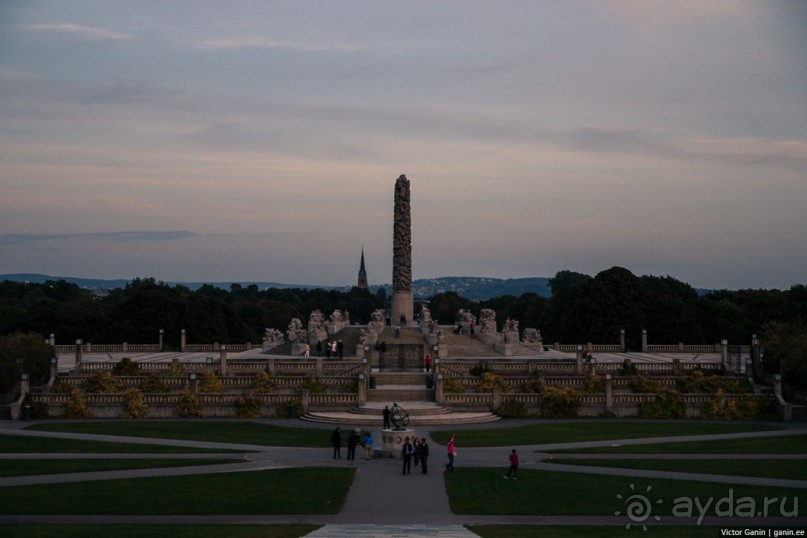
x=362, y=284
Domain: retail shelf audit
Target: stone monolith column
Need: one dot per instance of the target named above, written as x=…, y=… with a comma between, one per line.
x=402, y=305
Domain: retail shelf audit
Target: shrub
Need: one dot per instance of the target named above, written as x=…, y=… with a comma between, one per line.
x=126, y=367
x=263, y=383
x=248, y=407
x=452, y=386
x=746, y=407
x=668, y=404
x=534, y=385
x=59, y=387
x=512, y=408
x=189, y=406
x=491, y=382
x=153, y=385
x=702, y=382
x=177, y=370
x=593, y=384
x=136, y=406
x=77, y=405
x=644, y=385
x=314, y=386
x=103, y=382
x=209, y=382
x=559, y=403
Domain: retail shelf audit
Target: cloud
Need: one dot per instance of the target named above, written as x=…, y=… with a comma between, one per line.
x=20, y=239
x=79, y=31
x=257, y=42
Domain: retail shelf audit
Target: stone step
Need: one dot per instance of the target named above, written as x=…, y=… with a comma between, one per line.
x=400, y=378
x=414, y=420
x=413, y=408
x=396, y=531
x=400, y=394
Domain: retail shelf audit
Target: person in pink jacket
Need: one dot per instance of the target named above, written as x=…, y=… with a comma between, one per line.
x=452, y=452
x=513, y=465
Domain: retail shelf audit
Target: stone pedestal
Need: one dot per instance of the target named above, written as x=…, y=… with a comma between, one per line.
x=393, y=440
x=402, y=303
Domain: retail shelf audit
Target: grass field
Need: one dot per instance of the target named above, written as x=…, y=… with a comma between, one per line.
x=251, y=433
x=310, y=490
x=788, y=444
x=59, y=466
x=572, y=432
x=43, y=445
x=791, y=469
x=483, y=491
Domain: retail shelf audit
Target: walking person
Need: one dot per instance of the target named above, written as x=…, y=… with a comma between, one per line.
x=406, y=454
x=340, y=349
x=386, y=412
x=452, y=453
x=513, y=465
x=336, y=442
x=428, y=363
x=424, y=456
x=416, y=451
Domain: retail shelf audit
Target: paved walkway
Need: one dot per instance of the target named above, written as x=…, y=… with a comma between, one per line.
x=382, y=502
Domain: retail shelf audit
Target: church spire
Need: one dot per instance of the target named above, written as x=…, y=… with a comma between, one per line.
x=362, y=284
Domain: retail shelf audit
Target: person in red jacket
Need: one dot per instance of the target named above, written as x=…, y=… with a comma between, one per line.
x=513, y=465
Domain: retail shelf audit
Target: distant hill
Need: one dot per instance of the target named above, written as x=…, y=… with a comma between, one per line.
x=474, y=288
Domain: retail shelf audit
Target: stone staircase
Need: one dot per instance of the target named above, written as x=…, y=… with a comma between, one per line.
x=420, y=414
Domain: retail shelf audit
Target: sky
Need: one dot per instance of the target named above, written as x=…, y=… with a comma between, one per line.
x=260, y=141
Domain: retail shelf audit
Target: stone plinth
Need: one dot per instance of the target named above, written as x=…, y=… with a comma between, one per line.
x=393, y=440
x=402, y=304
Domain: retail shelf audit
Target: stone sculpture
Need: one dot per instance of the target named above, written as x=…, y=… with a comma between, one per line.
x=531, y=336
x=295, y=331
x=487, y=321
x=402, y=238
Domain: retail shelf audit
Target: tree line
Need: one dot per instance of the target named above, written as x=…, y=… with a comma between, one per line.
x=581, y=309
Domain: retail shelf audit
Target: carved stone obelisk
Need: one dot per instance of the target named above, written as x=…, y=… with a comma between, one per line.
x=402, y=307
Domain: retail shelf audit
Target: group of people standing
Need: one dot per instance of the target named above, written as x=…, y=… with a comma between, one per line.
x=355, y=438
x=417, y=449
x=333, y=348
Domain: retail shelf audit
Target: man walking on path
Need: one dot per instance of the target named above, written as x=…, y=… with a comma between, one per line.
x=386, y=414
x=513, y=465
x=336, y=442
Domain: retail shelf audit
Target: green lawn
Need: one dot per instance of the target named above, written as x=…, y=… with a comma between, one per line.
x=311, y=490
x=572, y=432
x=789, y=444
x=483, y=491
x=158, y=531
x=252, y=433
x=58, y=466
x=791, y=469
x=41, y=445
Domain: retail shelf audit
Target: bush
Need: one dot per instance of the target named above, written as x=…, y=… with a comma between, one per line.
x=478, y=370
x=248, y=407
x=126, y=367
x=153, y=384
x=103, y=382
x=452, y=386
x=700, y=382
x=644, y=385
x=177, y=370
x=746, y=407
x=263, y=383
x=314, y=386
x=511, y=408
x=189, y=406
x=668, y=404
x=593, y=384
x=491, y=382
x=209, y=382
x=59, y=387
x=77, y=405
x=136, y=406
x=534, y=386
x=559, y=403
